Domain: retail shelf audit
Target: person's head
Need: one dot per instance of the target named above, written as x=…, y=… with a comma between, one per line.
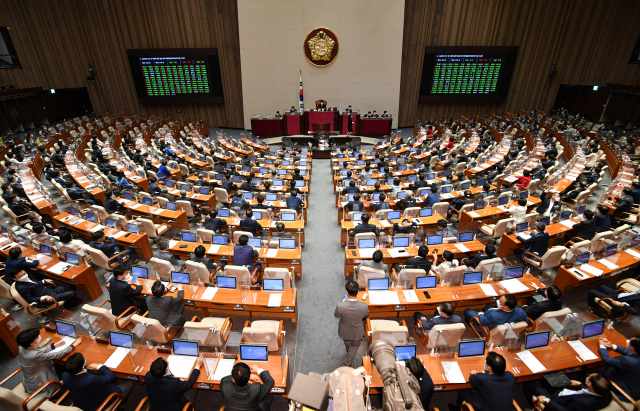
x=603, y=209
x=415, y=366
x=199, y=251
x=74, y=364
x=158, y=367
x=468, y=193
x=490, y=249
x=243, y=240
x=183, y=193
x=505, y=185
x=442, y=224
x=540, y=226
x=526, y=173
x=634, y=344
x=15, y=252
x=486, y=188
x=352, y=288
x=352, y=183
x=349, y=173
x=377, y=256
x=447, y=255
x=365, y=218
x=553, y=293
x=157, y=289
x=29, y=338
x=627, y=191
x=241, y=374
x=423, y=251
x=555, y=197
x=636, y=184
x=280, y=227
x=588, y=214
x=6, y=188
x=446, y=309
x=598, y=383
x=507, y=302
x=495, y=364
x=382, y=196
x=522, y=202
x=97, y=236
x=120, y=272
x=213, y=213
x=66, y=237
x=267, y=185
x=11, y=198
x=356, y=197
x=434, y=188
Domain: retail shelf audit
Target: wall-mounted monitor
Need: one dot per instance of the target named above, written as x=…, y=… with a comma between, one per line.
x=467, y=74
x=176, y=76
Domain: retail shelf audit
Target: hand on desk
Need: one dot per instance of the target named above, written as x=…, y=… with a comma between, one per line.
x=604, y=342
x=93, y=367
x=198, y=363
x=48, y=281
x=473, y=372
x=77, y=342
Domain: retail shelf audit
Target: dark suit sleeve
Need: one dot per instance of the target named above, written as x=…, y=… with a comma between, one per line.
x=621, y=363
x=179, y=298
x=254, y=253
x=107, y=377
x=137, y=291
x=184, y=386
x=267, y=384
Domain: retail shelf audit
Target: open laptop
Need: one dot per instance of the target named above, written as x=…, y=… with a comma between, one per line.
x=471, y=278
x=291, y=216
x=287, y=243
x=186, y=347
x=405, y=352
x=514, y=272
x=219, y=239
x=147, y=201
x=111, y=223
x=255, y=241
x=378, y=284
x=254, y=352
x=188, y=236
x=223, y=213
x=91, y=217
x=133, y=228
x=522, y=227
x=593, y=328
x=179, y=277
x=73, y=259
x=139, y=272
x=434, y=240
x=65, y=328
x=425, y=212
x=45, y=249
x=583, y=259
x=465, y=236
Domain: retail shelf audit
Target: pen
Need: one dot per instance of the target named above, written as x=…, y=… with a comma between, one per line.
x=579, y=359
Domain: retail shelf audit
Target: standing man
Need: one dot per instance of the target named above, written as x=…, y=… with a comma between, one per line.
x=351, y=313
x=239, y=395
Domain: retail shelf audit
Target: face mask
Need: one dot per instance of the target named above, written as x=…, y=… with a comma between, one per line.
x=499, y=305
x=439, y=312
x=24, y=279
x=37, y=341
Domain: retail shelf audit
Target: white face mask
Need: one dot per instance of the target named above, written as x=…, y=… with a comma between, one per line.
x=439, y=312
x=24, y=279
x=498, y=304
x=37, y=341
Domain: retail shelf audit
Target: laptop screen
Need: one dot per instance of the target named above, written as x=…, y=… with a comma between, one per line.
x=393, y=215
x=226, y=282
x=111, y=223
x=271, y=197
x=168, y=183
x=434, y=240
x=544, y=220
x=536, y=340
x=608, y=251
x=401, y=194
x=224, y=213
x=73, y=211
x=583, y=258
x=472, y=278
x=425, y=212
x=172, y=206
x=471, y=348
x=524, y=194
x=514, y=272
x=147, y=201
x=73, y=259
x=427, y=281
x=66, y=329
x=253, y=352
x=593, y=328
x=140, y=272
x=565, y=215
x=446, y=189
x=184, y=347
x=377, y=284
x=257, y=215
x=45, y=249
x=219, y=239
x=287, y=243
x=367, y=243
x=290, y=216
x=133, y=228
x=400, y=242
x=273, y=284
x=522, y=227
x=465, y=186
x=121, y=339
x=465, y=236
x=247, y=196
x=405, y=352
x=503, y=200
x=128, y=196
x=185, y=187
x=91, y=217
x=179, y=277
x=479, y=205
x=189, y=237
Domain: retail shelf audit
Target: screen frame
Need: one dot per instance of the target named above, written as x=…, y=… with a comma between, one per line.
x=472, y=340
x=526, y=339
x=180, y=340
x=254, y=345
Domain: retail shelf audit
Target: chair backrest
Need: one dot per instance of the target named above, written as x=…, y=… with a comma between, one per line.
x=498, y=333
x=272, y=272
x=262, y=332
x=206, y=333
x=237, y=271
x=186, y=207
x=16, y=296
x=98, y=258
x=486, y=266
x=238, y=233
x=221, y=195
x=10, y=401
x=98, y=312
x=5, y=290
x=410, y=275
x=441, y=209
x=531, y=217
x=161, y=268
x=155, y=330
x=454, y=332
x=389, y=330
x=382, y=214
x=618, y=231
x=365, y=273
x=411, y=212
x=12, y=216
x=148, y=227
x=501, y=227
x=162, y=202
x=199, y=272
x=453, y=274
x=550, y=314
x=553, y=257
x=363, y=235
x=605, y=235
x=204, y=235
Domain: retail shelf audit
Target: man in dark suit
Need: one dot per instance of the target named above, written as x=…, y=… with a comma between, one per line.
x=365, y=227
x=35, y=291
x=594, y=395
x=250, y=225
x=351, y=188
x=538, y=242
x=111, y=205
x=352, y=314
x=489, y=253
x=494, y=387
x=586, y=229
x=19, y=208
x=244, y=254
x=227, y=184
x=622, y=302
x=214, y=223
x=239, y=395
x=168, y=393
x=108, y=246
x=407, y=202
x=603, y=219
x=625, y=204
x=420, y=261
x=122, y=295
x=168, y=310
x=432, y=198
x=16, y=260
x=635, y=192
x=552, y=302
x=572, y=195
x=88, y=389
x=79, y=193
x=625, y=369
x=355, y=205
x=97, y=153
x=247, y=185
x=444, y=315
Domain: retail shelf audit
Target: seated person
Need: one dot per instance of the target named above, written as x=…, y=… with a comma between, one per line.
x=505, y=188
x=552, y=302
x=593, y=395
x=443, y=231
x=375, y=262
x=355, y=205
x=16, y=260
x=407, y=202
x=183, y=197
x=244, y=254
x=623, y=303
x=603, y=219
x=166, y=309
x=250, y=225
x=214, y=223
x=239, y=395
x=586, y=229
x=111, y=205
x=19, y=208
x=109, y=247
x=404, y=227
x=153, y=188
x=351, y=188
x=433, y=197
x=198, y=257
x=167, y=392
x=122, y=295
x=381, y=204
x=538, y=242
x=365, y=227
x=294, y=202
x=260, y=203
x=443, y=315
x=625, y=369
x=572, y=195
x=518, y=212
x=507, y=311
x=489, y=253
x=524, y=180
x=280, y=232
x=448, y=263
x=458, y=202
x=493, y=387
x=35, y=291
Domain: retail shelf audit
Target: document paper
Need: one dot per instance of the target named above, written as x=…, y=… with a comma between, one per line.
x=209, y=293
x=214, y=248
x=383, y=297
x=514, y=285
x=274, y=300
x=119, y=234
x=591, y=269
x=463, y=248
x=608, y=264
x=60, y=268
x=632, y=252
x=223, y=369
x=410, y=296
x=181, y=366
x=272, y=253
x=582, y=350
x=488, y=289
x=453, y=372
x=531, y=361
x=116, y=358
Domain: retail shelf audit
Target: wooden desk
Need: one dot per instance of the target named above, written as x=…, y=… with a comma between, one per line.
x=9, y=331
x=83, y=276
x=294, y=227
x=84, y=182
x=139, y=241
x=44, y=206
x=492, y=214
x=174, y=219
x=384, y=226
x=556, y=232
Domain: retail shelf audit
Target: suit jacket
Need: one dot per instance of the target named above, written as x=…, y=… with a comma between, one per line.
x=37, y=367
x=248, y=397
x=544, y=205
x=603, y=222
x=244, y=255
x=20, y=211
x=623, y=370
x=32, y=292
x=21, y=263
x=537, y=309
x=498, y=317
x=89, y=390
x=438, y=319
x=418, y=262
x=351, y=314
x=111, y=205
x=633, y=302
x=431, y=199
x=586, y=229
x=478, y=258
x=227, y=185
x=365, y=228
x=214, y=224
x=624, y=206
x=109, y=249
x=163, y=309
x=538, y=242
x=121, y=295
x=495, y=393
x=167, y=393
x=577, y=402
x=250, y=225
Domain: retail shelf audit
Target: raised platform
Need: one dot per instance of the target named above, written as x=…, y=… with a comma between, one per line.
x=312, y=142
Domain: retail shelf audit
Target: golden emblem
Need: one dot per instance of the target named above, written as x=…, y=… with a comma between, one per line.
x=321, y=46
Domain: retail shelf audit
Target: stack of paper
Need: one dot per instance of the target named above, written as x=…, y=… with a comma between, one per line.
x=582, y=350
x=60, y=268
x=116, y=358
x=608, y=264
x=524, y=236
x=531, y=361
x=463, y=248
x=568, y=223
x=366, y=252
x=223, y=369
x=410, y=296
x=272, y=253
x=514, y=285
x=473, y=214
x=591, y=270
x=274, y=300
x=385, y=223
x=453, y=372
x=181, y=366
x=398, y=252
x=214, y=248
x=119, y=234
x=173, y=243
x=158, y=211
x=67, y=341
x=578, y=273
x=383, y=297
x=488, y=290
x=209, y=293
x=135, y=206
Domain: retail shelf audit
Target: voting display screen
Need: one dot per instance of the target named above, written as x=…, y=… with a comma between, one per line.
x=467, y=73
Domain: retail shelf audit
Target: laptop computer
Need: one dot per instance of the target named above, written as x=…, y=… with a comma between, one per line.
x=121, y=339
x=273, y=284
x=254, y=352
x=66, y=328
x=179, y=277
x=405, y=352
x=223, y=281
x=378, y=284
x=471, y=348
x=471, y=278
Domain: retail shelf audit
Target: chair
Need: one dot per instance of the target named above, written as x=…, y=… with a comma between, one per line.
x=5, y=292
x=411, y=212
x=430, y=339
x=533, y=186
x=363, y=236
x=410, y=275
x=460, y=167
x=496, y=335
x=221, y=328
x=221, y=196
x=17, y=399
x=620, y=230
x=120, y=321
x=186, y=207
x=595, y=241
x=486, y=266
x=161, y=268
x=238, y=233
x=366, y=273
x=151, y=229
x=204, y=235
x=457, y=213
x=157, y=332
x=550, y=314
x=382, y=214
x=198, y=272
x=628, y=285
x=440, y=209
x=14, y=218
x=498, y=229
x=267, y=332
x=240, y=272
x=272, y=272
x=552, y=258
x=32, y=310
x=389, y=330
x=162, y=202
x=100, y=259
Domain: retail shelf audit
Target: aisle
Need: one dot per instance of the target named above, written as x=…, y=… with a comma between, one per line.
x=318, y=347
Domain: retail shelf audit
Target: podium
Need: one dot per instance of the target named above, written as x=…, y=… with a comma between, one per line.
x=267, y=127
x=314, y=116
x=294, y=124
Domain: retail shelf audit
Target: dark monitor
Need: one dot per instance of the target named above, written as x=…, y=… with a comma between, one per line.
x=224, y=213
x=65, y=328
x=45, y=249
x=366, y=243
x=255, y=242
x=254, y=352
x=423, y=192
x=474, y=277
x=522, y=227
x=400, y=242
x=169, y=183
x=503, y=200
x=147, y=201
x=593, y=328
x=299, y=183
x=236, y=179
x=393, y=215
x=273, y=284
x=121, y=339
x=431, y=176
x=465, y=186
x=378, y=284
x=471, y=348
x=610, y=250
x=287, y=243
x=583, y=258
x=544, y=220
x=185, y=187
x=91, y=217
x=179, y=277
x=465, y=236
x=537, y=339
x=188, y=237
x=514, y=272
x=581, y=209
x=184, y=347
x=128, y=196
x=21, y=240
x=405, y=352
x=479, y=205
x=219, y=239
x=204, y=190
x=524, y=194
x=133, y=228
x=434, y=240
x=481, y=182
x=224, y=281
x=140, y=272
x=73, y=259
x=565, y=215
x=427, y=281
x=425, y=212
x=73, y=211
x=111, y=223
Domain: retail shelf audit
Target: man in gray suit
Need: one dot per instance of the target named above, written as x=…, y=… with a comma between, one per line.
x=168, y=310
x=37, y=363
x=351, y=313
x=376, y=263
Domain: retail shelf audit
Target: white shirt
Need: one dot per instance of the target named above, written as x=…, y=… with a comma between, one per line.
x=518, y=213
x=548, y=212
x=566, y=392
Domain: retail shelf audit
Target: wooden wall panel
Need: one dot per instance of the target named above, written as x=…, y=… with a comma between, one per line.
x=57, y=40
x=587, y=41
